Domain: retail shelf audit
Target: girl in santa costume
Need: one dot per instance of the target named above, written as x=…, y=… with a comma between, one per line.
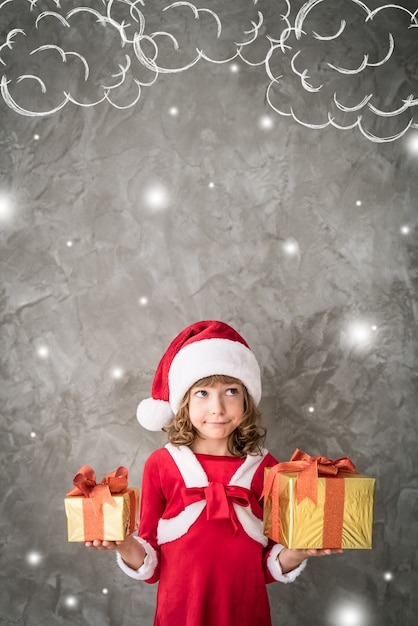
x=201, y=530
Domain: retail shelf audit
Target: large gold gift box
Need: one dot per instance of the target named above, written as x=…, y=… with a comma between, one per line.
x=107, y=511
x=341, y=517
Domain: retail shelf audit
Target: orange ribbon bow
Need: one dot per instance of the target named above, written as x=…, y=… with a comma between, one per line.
x=85, y=485
x=309, y=468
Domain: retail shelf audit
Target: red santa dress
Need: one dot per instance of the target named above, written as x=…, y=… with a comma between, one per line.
x=201, y=526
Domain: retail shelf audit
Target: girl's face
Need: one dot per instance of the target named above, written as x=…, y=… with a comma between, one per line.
x=215, y=411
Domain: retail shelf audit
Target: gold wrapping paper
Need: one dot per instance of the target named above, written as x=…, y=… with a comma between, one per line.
x=116, y=522
x=302, y=525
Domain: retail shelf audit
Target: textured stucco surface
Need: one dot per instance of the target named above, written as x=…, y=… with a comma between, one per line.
x=96, y=280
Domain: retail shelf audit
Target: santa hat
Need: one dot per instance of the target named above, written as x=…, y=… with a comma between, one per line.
x=203, y=349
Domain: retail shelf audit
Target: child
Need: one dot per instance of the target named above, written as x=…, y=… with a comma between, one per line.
x=201, y=530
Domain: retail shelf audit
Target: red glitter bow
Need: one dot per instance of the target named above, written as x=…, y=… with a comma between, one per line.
x=219, y=500
x=85, y=485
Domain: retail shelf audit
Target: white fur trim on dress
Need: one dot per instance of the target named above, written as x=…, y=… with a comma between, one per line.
x=176, y=527
x=149, y=566
x=189, y=467
x=252, y=525
x=275, y=567
x=208, y=357
x=194, y=475
x=244, y=475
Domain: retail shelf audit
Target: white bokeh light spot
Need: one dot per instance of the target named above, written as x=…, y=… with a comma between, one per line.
x=69, y=244
x=156, y=197
x=117, y=373
x=33, y=435
x=234, y=68
x=71, y=602
x=405, y=229
x=173, y=111
x=412, y=144
x=6, y=209
x=358, y=203
x=359, y=333
x=43, y=352
x=36, y=137
x=105, y=591
x=34, y=558
x=266, y=122
x=291, y=247
x=311, y=409
x=349, y=614
x=388, y=576
x=143, y=300
x=211, y=185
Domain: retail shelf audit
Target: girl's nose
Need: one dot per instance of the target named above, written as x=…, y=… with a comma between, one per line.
x=217, y=405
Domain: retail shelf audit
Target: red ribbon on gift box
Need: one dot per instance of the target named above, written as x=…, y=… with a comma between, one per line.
x=95, y=495
x=309, y=468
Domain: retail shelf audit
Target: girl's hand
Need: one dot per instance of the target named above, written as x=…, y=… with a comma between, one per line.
x=130, y=550
x=310, y=553
x=289, y=559
x=103, y=545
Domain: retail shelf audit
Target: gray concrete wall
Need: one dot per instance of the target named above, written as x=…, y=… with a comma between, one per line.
x=120, y=226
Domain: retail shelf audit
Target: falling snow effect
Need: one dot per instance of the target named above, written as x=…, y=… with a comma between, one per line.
x=333, y=81
x=130, y=204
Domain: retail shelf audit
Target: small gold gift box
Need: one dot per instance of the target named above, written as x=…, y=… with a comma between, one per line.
x=107, y=511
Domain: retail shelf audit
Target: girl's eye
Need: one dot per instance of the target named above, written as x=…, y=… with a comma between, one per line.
x=201, y=393
x=233, y=391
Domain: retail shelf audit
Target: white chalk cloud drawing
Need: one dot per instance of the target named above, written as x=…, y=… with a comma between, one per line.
x=327, y=62
x=349, y=67
x=109, y=49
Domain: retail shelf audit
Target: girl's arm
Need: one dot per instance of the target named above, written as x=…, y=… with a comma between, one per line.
x=140, y=553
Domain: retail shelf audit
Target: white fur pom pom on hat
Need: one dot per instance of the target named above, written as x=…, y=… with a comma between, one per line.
x=202, y=349
x=154, y=414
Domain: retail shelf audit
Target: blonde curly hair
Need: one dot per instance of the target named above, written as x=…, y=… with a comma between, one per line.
x=247, y=438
